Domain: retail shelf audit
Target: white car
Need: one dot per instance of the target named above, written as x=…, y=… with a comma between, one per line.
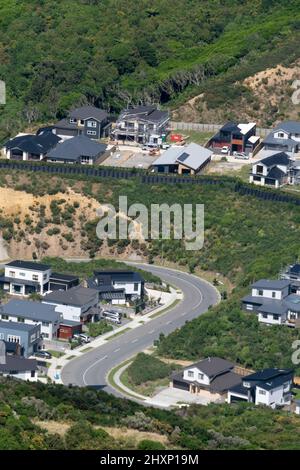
x=225, y=149
x=241, y=155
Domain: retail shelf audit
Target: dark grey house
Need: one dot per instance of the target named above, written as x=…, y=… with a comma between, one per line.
x=30, y=147
x=117, y=287
x=79, y=149
x=285, y=137
x=27, y=336
x=142, y=124
x=89, y=121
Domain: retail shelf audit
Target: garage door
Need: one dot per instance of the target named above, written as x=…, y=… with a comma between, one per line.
x=181, y=385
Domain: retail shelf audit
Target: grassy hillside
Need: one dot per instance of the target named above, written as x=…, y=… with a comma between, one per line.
x=40, y=417
x=54, y=55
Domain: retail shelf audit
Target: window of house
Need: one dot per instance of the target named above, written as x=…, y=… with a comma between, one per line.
x=4, y=317
x=91, y=132
x=280, y=135
x=256, y=178
x=1, y=335
x=260, y=292
x=13, y=339
x=136, y=286
x=82, y=122
x=262, y=392
x=45, y=335
x=190, y=373
x=21, y=274
x=249, y=307
x=259, y=169
x=73, y=120
x=21, y=320
x=32, y=373
x=11, y=273
x=45, y=277
x=200, y=376
x=85, y=159
x=273, y=295
x=45, y=323
x=92, y=124
x=265, y=315
x=275, y=317
x=35, y=277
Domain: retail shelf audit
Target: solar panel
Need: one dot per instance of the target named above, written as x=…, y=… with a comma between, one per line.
x=183, y=157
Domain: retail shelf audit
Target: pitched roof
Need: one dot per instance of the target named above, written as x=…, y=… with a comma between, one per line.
x=118, y=276
x=36, y=311
x=77, y=296
x=76, y=147
x=213, y=366
x=280, y=158
x=225, y=381
x=274, y=284
x=86, y=112
x=275, y=173
x=267, y=374
x=16, y=326
x=292, y=127
x=63, y=277
x=18, y=364
x=39, y=144
x=144, y=113
x=193, y=156
x=31, y=265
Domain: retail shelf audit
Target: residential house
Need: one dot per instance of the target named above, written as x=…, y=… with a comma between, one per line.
x=273, y=302
x=30, y=147
x=25, y=277
x=142, y=124
x=16, y=366
x=87, y=121
x=190, y=159
x=272, y=171
x=80, y=150
x=27, y=336
x=117, y=287
x=292, y=273
x=284, y=138
x=78, y=304
x=32, y=313
x=214, y=375
x=237, y=137
x=270, y=387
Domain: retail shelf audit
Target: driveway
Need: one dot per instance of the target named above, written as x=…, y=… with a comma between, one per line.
x=173, y=396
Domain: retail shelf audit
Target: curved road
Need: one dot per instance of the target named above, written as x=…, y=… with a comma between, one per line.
x=92, y=368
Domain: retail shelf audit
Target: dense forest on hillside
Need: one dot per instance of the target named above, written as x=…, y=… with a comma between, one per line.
x=40, y=417
x=55, y=55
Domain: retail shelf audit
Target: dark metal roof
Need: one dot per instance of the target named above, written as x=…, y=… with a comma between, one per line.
x=36, y=311
x=39, y=144
x=144, y=113
x=63, y=277
x=280, y=158
x=22, y=282
x=18, y=364
x=76, y=147
x=213, y=366
x=267, y=374
x=275, y=173
x=15, y=326
x=277, y=284
x=28, y=265
x=77, y=296
x=117, y=276
x=86, y=112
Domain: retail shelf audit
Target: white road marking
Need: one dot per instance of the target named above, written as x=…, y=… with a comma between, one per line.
x=135, y=341
x=116, y=350
x=168, y=322
x=150, y=332
x=90, y=367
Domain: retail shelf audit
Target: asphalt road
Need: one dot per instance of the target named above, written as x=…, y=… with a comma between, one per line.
x=92, y=368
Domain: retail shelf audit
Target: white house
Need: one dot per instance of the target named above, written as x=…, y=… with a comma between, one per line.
x=78, y=304
x=273, y=302
x=25, y=277
x=214, y=375
x=270, y=387
x=16, y=366
x=285, y=137
x=272, y=170
x=32, y=313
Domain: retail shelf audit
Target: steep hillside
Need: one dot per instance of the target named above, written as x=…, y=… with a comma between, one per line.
x=54, y=55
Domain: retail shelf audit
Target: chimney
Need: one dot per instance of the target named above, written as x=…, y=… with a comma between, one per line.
x=2, y=353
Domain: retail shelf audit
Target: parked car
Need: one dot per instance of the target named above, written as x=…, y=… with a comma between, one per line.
x=225, y=149
x=241, y=155
x=82, y=337
x=43, y=354
x=165, y=146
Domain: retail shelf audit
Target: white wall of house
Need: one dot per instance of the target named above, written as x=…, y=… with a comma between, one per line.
x=194, y=374
x=23, y=376
x=28, y=275
x=264, y=169
x=295, y=137
x=270, y=319
x=68, y=312
x=271, y=293
x=281, y=134
x=274, y=397
x=131, y=288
